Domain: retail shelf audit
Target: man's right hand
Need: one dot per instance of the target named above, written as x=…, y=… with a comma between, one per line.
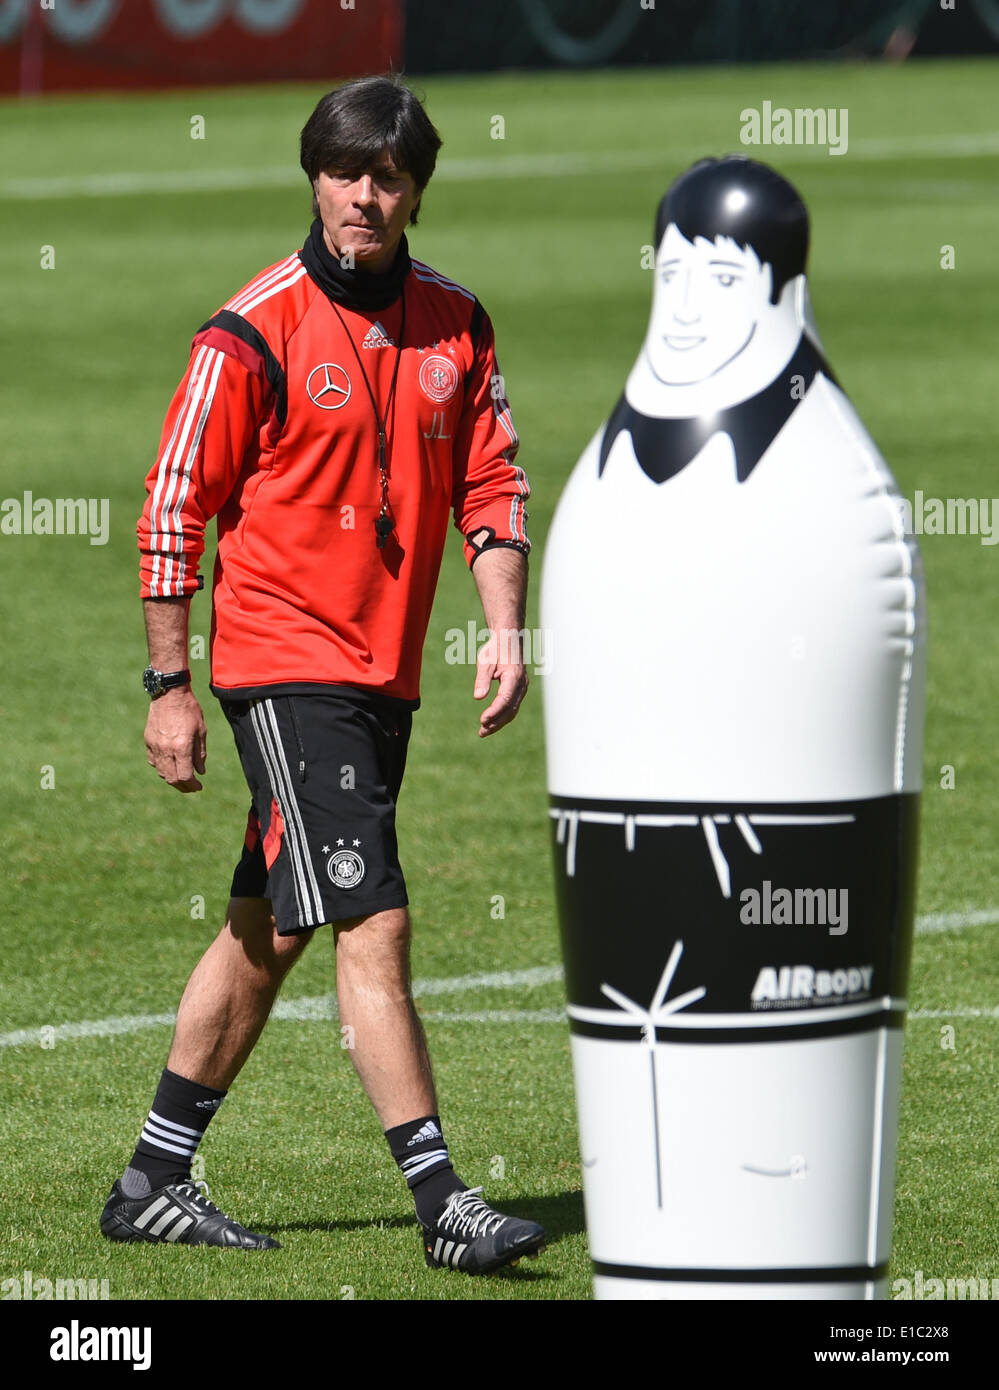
x=176, y=738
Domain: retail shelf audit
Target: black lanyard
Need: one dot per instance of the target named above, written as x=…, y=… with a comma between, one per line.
x=383, y=523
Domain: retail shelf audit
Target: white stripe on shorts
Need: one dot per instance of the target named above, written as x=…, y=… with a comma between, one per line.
x=307, y=895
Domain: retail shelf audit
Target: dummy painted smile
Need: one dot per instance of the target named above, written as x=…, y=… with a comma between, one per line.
x=681, y=344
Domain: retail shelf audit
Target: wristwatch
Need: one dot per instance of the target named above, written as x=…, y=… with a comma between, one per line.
x=156, y=682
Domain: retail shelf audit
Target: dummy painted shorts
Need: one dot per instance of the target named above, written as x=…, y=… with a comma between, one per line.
x=324, y=773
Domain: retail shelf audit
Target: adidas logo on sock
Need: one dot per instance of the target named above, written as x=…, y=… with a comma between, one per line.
x=425, y=1132
x=376, y=337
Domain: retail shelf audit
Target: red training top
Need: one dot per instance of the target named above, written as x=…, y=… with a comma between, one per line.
x=273, y=431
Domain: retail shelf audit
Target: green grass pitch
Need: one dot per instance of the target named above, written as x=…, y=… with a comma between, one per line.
x=105, y=868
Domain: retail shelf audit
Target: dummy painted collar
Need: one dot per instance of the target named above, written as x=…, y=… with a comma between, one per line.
x=664, y=446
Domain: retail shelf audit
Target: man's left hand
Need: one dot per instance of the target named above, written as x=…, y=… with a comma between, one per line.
x=513, y=683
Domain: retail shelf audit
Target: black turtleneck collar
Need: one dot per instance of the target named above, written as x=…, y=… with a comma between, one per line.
x=354, y=289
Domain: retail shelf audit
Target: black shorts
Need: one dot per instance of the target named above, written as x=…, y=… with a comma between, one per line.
x=324, y=773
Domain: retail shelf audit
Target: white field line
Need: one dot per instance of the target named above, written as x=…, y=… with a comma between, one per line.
x=126, y=183
x=499, y=1016
x=954, y=1013
x=932, y=189
x=313, y=1008
x=954, y=921
x=303, y=1010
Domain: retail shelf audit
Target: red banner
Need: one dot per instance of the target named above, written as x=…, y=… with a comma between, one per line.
x=71, y=45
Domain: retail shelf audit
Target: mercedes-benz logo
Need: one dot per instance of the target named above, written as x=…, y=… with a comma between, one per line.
x=332, y=386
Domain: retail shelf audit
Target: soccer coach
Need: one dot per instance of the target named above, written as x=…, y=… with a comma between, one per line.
x=334, y=413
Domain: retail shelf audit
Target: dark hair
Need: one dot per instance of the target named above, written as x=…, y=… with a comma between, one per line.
x=352, y=125
x=770, y=217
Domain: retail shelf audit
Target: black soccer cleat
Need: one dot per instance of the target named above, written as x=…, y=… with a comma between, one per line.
x=177, y=1214
x=468, y=1235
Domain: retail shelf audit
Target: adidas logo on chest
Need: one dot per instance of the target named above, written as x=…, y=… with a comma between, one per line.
x=376, y=337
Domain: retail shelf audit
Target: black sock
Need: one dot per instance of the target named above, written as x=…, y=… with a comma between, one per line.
x=419, y=1149
x=171, y=1134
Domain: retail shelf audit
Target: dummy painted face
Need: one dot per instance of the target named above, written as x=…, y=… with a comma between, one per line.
x=710, y=299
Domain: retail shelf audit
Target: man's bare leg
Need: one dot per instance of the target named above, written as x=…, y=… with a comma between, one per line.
x=223, y=1010
x=387, y=1045
x=233, y=988
x=230, y=994
x=389, y=1052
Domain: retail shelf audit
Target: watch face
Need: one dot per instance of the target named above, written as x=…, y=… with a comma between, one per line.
x=151, y=681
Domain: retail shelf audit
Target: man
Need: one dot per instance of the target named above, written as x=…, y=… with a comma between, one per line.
x=333, y=413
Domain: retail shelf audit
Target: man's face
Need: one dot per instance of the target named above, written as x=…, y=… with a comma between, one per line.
x=366, y=213
x=709, y=298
